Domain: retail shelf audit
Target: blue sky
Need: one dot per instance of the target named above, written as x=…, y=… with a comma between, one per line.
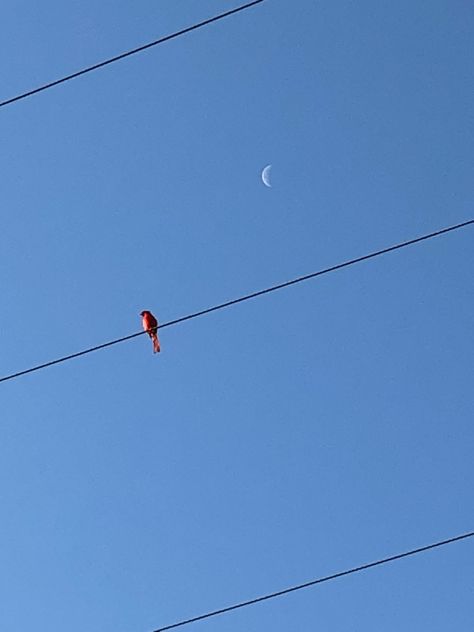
x=290, y=437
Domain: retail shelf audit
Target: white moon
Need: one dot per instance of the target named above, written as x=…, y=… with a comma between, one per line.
x=266, y=176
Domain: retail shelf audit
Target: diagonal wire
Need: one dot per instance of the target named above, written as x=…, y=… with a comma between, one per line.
x=134, y=51
x=241, y=299
x=320, y=580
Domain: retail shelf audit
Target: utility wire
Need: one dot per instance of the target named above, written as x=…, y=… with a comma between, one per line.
x=241, y=299
x=134, y=51
x=320, y=580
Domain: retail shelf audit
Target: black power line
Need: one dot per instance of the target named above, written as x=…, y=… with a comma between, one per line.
x=247, y=297
x=134, y=51
x=313, y=582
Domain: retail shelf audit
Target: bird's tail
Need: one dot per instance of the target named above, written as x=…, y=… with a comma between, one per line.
x=156, y=342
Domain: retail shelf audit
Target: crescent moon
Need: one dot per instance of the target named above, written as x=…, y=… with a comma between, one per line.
x=266, y=176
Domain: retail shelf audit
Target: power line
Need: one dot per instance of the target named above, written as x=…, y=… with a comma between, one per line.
x=241, y=299
x=134, y=51
x=313, y=582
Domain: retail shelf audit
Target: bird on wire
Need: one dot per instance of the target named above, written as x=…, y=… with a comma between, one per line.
x=150, y=325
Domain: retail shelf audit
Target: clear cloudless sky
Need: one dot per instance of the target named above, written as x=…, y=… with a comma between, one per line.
x=290, y=437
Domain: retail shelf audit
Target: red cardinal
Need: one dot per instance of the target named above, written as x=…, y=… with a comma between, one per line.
x=150, y=325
